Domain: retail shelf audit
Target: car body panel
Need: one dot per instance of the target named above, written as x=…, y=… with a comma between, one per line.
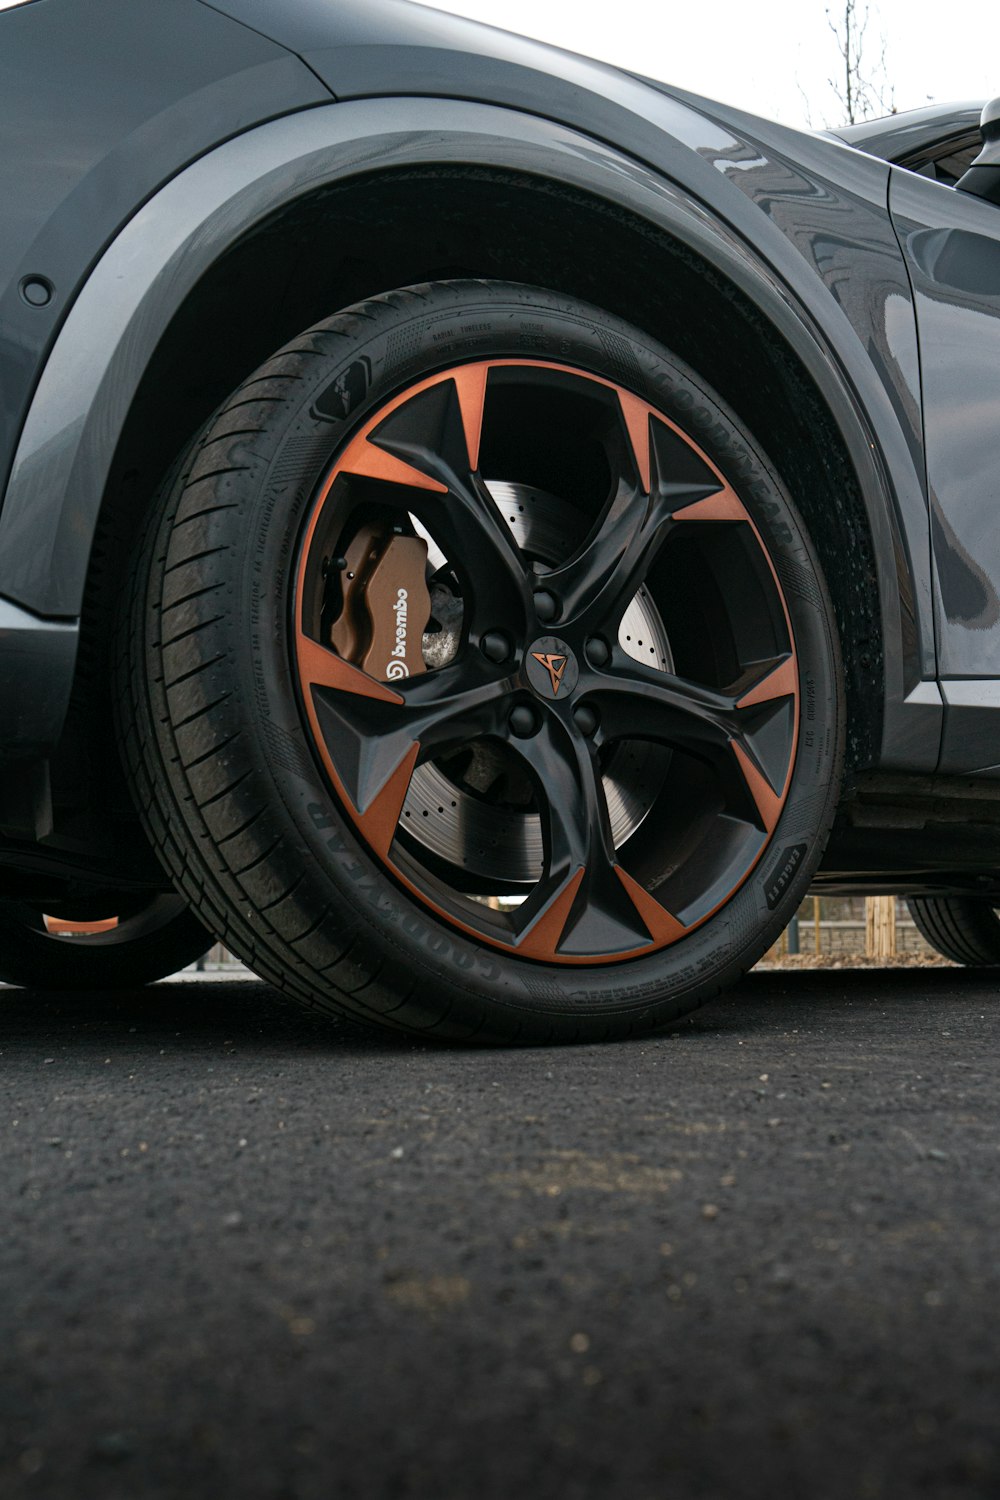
x=952, y=245
x=36, y=674
x=87, y=140
x=914, y=135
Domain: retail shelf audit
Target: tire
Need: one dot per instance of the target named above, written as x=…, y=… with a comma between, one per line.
x=962, y=928
x=497, y=881
x=152, y=938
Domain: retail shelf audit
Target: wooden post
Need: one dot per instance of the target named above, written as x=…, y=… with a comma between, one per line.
x=880, y=926
x=792, y=935
x=817, y=936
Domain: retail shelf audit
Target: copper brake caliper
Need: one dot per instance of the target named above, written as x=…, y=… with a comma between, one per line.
x=386, y=604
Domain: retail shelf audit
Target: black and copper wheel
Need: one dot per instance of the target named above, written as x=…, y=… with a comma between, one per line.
x=490, y=676
x=98, y=942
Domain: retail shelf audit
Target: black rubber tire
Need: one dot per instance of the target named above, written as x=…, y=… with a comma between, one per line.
x=155, y=942
x=963, y=928
x=231, y=794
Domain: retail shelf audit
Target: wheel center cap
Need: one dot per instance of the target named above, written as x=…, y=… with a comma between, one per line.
x=551, y=667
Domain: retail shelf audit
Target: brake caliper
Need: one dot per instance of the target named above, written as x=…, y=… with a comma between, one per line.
x=386, y=604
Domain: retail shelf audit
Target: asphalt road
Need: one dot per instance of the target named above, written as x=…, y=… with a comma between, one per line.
x=249, y=1254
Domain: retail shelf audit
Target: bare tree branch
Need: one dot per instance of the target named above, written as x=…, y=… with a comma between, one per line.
x=862, y=91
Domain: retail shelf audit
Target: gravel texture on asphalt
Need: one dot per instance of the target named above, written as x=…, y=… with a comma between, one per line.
x=248, y=1253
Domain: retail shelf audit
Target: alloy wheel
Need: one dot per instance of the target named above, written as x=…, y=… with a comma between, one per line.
x=545, y=661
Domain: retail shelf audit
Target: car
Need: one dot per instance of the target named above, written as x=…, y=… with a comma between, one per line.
x=483, y=532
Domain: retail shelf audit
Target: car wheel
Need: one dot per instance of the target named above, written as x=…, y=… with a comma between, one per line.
x=962, y=928
x=479, y=676
x=117, y=943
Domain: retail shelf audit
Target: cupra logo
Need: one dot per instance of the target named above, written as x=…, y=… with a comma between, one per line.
x=554, y=665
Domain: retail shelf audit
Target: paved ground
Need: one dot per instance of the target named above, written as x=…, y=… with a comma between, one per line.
x=246, y=1254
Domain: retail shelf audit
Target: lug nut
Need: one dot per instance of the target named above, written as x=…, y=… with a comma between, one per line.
x=522, y=721
x=495, y=646
x=546, y=605
x=586, y=718
x=598, y=651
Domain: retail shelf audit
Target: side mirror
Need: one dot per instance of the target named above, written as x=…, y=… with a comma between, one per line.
x=983, y=177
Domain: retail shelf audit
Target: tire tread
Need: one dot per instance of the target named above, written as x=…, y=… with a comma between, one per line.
x=965, y=929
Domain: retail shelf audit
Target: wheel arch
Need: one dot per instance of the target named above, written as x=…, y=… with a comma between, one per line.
x=412, y=225
x=220, y=235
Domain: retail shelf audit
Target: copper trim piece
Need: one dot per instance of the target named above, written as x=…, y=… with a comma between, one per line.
x=661, y=926
x=470, y=383
x=637, y=414
x=723, y=506
x=379, y=820
x=366, y=460
x=769, y=802
x=541, y=940
x=321, y=667
x=58, y=926
x=783, y=682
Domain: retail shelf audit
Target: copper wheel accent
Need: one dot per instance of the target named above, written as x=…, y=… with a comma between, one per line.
x=58, y=926
x=543, y=694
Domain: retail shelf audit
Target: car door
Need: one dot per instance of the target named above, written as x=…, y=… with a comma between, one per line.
x=951, y=241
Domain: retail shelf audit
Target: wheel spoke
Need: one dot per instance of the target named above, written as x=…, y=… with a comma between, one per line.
x=565, y=773
x=460, y=702
x=436, y=434
x=368, y=733
x=584, y=902
x=636, y=702
x=595, y=586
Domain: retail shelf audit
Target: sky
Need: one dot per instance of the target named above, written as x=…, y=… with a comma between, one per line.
x=773, y=59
